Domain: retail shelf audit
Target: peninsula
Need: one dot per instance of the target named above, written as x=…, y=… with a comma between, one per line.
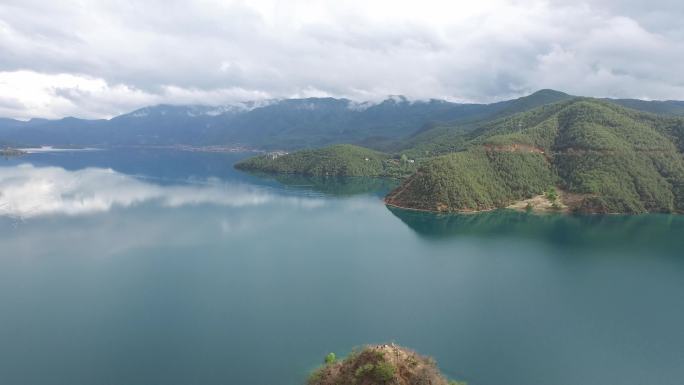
x=580, y=155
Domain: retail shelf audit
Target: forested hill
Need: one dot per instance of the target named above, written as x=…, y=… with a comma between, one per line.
x=580, y=154
x=441, y=139
x=587, y=154
x=336, y=160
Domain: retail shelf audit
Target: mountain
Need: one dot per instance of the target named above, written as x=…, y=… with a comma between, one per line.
x=663, y=107
x=318, y=122
x=436, y=138
x=575, y=154
x=392, y=125
x=285, y=124
x=583, y=154
x=42, y=131
x=579, y=154
x=526, y=103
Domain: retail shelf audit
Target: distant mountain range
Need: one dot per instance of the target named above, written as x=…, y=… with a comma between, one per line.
x=284, y=124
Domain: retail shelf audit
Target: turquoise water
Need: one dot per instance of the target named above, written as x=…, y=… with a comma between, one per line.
x=161, y=267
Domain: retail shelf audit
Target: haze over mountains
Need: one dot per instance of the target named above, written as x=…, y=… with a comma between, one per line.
x=283, y=124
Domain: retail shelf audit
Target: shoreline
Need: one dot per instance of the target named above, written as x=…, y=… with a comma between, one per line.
x=467, y=212
x=10, y=151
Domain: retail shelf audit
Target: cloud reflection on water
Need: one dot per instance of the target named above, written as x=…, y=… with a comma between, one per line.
x=29, y=191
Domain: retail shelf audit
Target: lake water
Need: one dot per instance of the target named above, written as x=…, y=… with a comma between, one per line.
x=135, y=267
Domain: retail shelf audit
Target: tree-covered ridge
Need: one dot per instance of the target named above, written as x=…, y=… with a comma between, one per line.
x=442, y=140
x=475, y=179
x=336, y=160
x=618, y=160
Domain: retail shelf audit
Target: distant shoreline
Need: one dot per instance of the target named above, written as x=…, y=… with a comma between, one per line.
x=8, y=151
x=212, y=148
x=44, y=149
x=464, y=212
x=177, y=147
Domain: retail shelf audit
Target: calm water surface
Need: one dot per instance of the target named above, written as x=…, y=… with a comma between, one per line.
x=134, y=267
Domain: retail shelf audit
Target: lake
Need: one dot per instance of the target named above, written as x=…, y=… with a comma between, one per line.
x=143, y=267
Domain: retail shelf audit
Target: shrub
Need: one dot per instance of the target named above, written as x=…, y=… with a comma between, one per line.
x=384, y=371
x=551, y=194
x=363, y=370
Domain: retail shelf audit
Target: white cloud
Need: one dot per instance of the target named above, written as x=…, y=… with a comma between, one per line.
x=59, y=95
x=101, y=58
x=29, y=191
x=26, y=94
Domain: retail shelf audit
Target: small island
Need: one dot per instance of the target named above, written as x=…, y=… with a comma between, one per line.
x=380, y=364
x=8, y=152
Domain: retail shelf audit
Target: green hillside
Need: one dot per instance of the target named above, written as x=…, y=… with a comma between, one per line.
x=473, y=180
x=579, y=154
x=442, y=138
x=602, y=157
x=337, y=160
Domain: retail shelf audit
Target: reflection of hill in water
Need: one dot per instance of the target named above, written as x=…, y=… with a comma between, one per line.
x=336, y=186
x=653, y=231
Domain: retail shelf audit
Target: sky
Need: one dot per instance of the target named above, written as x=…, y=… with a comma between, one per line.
x=101, y=58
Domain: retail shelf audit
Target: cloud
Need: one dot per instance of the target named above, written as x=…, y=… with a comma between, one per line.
x=27, y=191
x=102, y=58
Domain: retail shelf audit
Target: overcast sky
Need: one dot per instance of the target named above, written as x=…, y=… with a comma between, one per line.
x=102, y=58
